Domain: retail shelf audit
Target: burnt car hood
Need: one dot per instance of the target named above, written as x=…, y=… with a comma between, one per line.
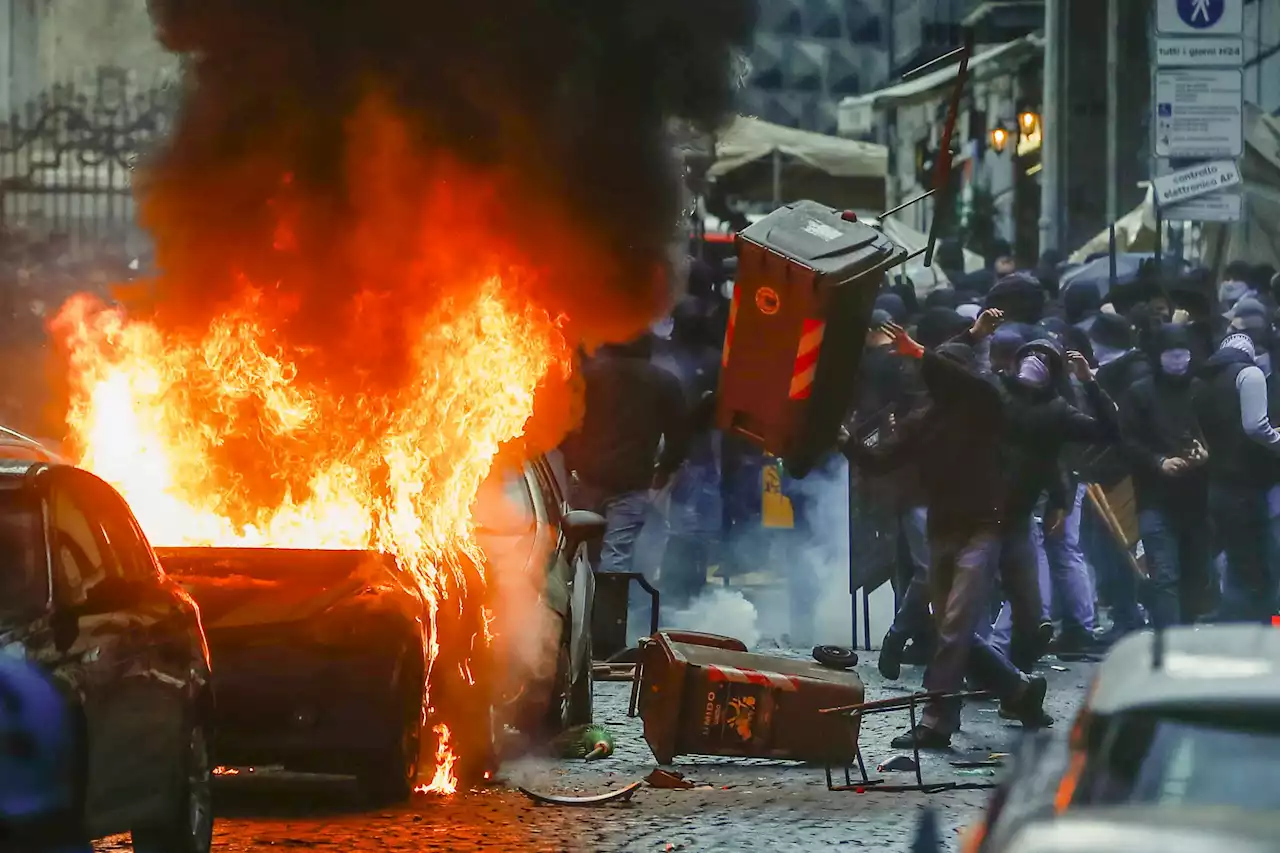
x=255, y=587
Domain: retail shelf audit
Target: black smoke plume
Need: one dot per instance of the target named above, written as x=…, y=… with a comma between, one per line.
x=561, y=104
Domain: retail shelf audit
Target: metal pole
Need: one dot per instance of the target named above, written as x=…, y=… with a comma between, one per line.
x=1113, y=109
x=777, y=178
x=1051, y=126
x=1159, y=239
x=853, y=576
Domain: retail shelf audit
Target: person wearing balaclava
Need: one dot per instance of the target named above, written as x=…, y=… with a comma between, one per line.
x=1040, y=422
x=1119, y=365
x=956, y=440
x=890, y=507
x=1165, y=445
x=1065, y=586
x=1243, y=446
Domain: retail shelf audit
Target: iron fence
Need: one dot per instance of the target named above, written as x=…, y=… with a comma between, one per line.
x=67, y=161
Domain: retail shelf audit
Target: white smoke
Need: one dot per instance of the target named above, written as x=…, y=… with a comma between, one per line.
x=720, y=611
x=764, y=614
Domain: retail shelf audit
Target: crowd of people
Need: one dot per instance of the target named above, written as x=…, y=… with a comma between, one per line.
x=992, y=419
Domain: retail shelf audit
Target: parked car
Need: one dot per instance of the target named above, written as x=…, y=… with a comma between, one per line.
x=83, y=597
x=1182, y=720
x=319, y=657
x=1146, y=830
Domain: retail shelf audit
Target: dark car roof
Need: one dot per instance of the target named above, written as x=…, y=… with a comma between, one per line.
x=1203, y=666
x=1150, y=830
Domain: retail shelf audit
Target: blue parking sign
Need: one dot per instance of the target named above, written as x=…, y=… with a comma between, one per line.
x=1164, y=110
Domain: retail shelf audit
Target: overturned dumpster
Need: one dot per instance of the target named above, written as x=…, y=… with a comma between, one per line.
x=701, y=694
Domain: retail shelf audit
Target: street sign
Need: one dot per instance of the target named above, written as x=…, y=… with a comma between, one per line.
x=1200, y=17
x=1225, y=206
x=1199, y=180
x=1203, y=52
x=1198, y=113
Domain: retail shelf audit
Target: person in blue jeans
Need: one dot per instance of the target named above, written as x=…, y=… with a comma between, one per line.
x=633, y=408
x=1164, y=442
x=1065, y=586
x=956, y=440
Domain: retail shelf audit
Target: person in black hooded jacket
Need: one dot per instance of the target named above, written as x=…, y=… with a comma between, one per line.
x=957, y=440
x=1039, y=423
x=1165, y=446
x=1243, y=445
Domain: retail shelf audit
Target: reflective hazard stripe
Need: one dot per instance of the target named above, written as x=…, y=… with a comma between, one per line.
x=728, y=334
x=806, y=366
x=787, y=683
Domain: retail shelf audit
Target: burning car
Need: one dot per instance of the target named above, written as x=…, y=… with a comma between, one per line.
x=83, y=597
x=320, y=656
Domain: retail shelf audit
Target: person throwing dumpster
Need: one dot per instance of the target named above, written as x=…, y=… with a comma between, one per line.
x=957, y=441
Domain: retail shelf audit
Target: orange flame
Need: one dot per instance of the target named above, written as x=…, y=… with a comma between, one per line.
x=152, y=414
x=444, y=781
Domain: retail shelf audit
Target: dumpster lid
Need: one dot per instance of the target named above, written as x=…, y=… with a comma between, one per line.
x=819, y=237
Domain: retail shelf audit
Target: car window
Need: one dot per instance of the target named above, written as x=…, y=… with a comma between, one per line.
x=503, y=505
x=550, y=493
x=1175, y=762
x=123, y=537
x=24, y=585
x=515, y=486
x=80, y=555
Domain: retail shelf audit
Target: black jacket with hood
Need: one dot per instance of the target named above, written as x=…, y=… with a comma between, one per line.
x=889, y=390
x=955, y=440
x=1158, y=421
x=1234, y=457
x=1039, y=422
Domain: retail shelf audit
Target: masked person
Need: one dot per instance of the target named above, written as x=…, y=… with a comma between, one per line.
x=1166, y=447
x=891, y=507
x=956, y=440
x=1040, y=422
x=1243, y=446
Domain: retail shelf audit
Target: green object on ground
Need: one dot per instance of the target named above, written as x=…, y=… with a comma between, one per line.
x=590, y=742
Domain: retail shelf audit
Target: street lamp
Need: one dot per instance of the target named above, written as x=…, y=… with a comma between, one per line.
x=999, y=138
x=1028, y=123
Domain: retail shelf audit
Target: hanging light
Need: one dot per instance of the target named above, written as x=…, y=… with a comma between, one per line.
x=999, y=138
x=1028, y=122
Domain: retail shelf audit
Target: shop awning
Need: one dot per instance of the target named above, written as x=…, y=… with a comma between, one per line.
x=857, y=114
x=747, y=140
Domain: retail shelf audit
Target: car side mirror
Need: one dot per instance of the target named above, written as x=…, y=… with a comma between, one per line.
x=581, y=526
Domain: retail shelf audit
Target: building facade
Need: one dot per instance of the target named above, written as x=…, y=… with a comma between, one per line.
x=808, y=54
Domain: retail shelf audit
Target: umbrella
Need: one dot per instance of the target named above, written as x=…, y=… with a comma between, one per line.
x=1096, y=270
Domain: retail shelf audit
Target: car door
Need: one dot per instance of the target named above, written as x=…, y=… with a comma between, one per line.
x=132, y=734
x=573, y=571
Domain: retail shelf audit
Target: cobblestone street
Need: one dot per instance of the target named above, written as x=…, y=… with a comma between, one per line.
x=746, y=805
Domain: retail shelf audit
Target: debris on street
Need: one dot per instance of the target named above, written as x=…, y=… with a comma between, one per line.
x=899, y=763
x=622, y=795
x=590, y=742
x=667, y=780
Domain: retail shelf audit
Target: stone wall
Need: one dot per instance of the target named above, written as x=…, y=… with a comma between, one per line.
x=77, y=37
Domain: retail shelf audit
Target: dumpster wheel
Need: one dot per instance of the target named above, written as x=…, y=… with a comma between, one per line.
x=835, y=657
